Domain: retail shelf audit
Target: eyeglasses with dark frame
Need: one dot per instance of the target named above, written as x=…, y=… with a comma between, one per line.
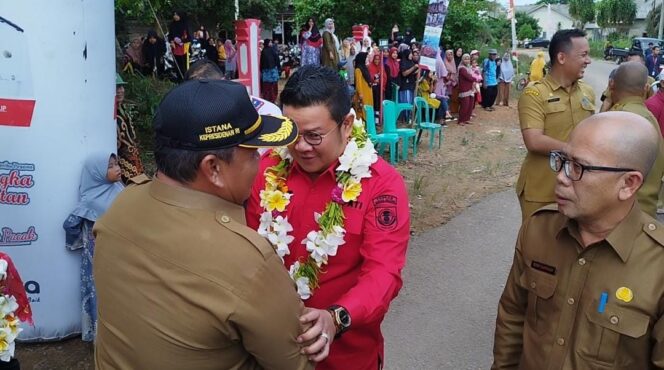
x=573, y=169
x=313, y=138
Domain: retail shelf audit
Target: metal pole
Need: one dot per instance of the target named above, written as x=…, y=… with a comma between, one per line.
x=513, y=23
x=237, y=10
x=661, y=20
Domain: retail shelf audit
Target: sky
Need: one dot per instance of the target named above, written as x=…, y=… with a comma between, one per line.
x=516, y=2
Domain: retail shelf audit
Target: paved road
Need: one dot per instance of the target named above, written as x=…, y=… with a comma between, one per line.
x=597, y=73
x=444, y=316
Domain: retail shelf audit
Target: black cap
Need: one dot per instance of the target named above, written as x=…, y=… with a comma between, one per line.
x=217, y=114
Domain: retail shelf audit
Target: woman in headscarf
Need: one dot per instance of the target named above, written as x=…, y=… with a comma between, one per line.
x=392, y=71
x=363, y=79
x=179, y=36
x=452, y=79
x=153, y=52
x=457, y=56
x=100, y=185
x=378, y=79
x=466, y=90
x=269, y=72
x=537, y=67
x=134, y=54
x=311, y=43
x=441, y=90
x=505, y=80
x=231, y=59
x=350, y=64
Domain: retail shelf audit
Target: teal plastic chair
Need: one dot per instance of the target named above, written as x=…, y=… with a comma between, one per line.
x=400, y=106
x=379, y=139
x=423, y=122
x=390, y=127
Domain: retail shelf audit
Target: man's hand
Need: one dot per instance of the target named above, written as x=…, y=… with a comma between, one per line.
x=321, y=322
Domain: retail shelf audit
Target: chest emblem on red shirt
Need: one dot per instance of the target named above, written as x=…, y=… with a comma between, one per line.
x=386, y=211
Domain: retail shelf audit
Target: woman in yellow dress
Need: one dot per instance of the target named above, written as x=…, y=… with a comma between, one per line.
x=537, y=67
x=363, y=79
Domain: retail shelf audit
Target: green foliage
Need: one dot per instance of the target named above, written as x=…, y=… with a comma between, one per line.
x=380, y=16
x=552, y=2
x=616, y=13
x=142, y=96
x=526, y=32
x=523, y=20
x=582, y=10
x=652, y=20
x=463, y=27
x=218, y=14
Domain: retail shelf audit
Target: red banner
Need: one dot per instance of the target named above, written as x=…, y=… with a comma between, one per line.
x=16, y=112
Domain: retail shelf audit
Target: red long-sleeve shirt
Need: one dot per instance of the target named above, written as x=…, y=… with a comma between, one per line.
x=365, y=275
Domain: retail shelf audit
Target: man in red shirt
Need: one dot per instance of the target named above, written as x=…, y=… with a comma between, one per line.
x=361, y=274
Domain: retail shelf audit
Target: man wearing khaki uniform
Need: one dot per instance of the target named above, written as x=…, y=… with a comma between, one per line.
x=548, y=111
x=585, y=289
x=182, y=283
x=628, y=87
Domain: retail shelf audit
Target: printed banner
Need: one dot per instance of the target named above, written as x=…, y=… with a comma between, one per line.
x=436, y=13
x=56, y=108
x=16, y=96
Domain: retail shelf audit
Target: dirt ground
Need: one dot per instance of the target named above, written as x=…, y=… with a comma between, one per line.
x=474, y=161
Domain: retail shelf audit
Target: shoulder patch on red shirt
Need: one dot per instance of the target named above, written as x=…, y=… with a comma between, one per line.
x=386, y=211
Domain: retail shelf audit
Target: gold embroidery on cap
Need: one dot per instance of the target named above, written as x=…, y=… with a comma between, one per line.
x=253, y=127
x=217, y=132
x=282, y=134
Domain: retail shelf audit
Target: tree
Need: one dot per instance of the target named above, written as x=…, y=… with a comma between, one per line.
x=381, y=16
x=652, y=20
x=464, y=27
x=618, y=14
x=522, y=20
x=212, y=13
x=526, y=32
x=582, y=10
x=539, y=2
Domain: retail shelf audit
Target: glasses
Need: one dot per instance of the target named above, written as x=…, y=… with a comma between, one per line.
x=313, y=138
x=573, y=169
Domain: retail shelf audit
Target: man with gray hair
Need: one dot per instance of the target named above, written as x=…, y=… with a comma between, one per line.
x=330, y=53
x=585, y=289
x=628, y=88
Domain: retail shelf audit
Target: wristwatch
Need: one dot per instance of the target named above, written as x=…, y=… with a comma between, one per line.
x=341, y=319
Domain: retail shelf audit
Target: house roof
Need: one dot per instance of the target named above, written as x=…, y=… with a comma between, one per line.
x=562, y=9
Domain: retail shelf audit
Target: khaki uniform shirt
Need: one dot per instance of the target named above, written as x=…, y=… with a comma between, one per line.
x=649, y=192
x=548, y=106
x=182, y=283
x=550, y=317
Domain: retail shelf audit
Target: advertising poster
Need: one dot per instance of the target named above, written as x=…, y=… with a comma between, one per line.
x=57, y=92
x=436, y=13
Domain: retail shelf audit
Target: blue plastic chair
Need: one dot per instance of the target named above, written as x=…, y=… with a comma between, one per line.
x=423, y=122
x=400, y=106
x=390, y=127
x=379, y=139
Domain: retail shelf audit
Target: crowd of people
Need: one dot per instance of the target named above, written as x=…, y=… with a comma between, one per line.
x=260, y=285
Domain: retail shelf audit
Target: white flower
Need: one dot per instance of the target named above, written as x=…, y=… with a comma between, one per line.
x=358, y=123
x=284, y=153
x=265, y=223
x=281, y=225
x=321, y=246
x=3, y=269
x=8, y=353
x=7, y=305
x=303, y=287
x=357, y=160
x=281, y=241
x=348, y=157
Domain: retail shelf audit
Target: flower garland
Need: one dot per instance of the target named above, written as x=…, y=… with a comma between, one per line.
x=9, y=322
x=354, y=165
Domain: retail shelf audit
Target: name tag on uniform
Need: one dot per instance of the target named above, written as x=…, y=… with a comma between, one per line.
x=553, y=99
x=539, y=266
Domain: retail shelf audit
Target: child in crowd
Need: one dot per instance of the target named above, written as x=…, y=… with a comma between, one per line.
x=477, y=73
x=100, y=184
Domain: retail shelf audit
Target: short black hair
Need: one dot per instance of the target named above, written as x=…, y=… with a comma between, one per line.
x=317, y=85
x=636, y=53
x=561, y=42
x=204, y=69
x=182, y=165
